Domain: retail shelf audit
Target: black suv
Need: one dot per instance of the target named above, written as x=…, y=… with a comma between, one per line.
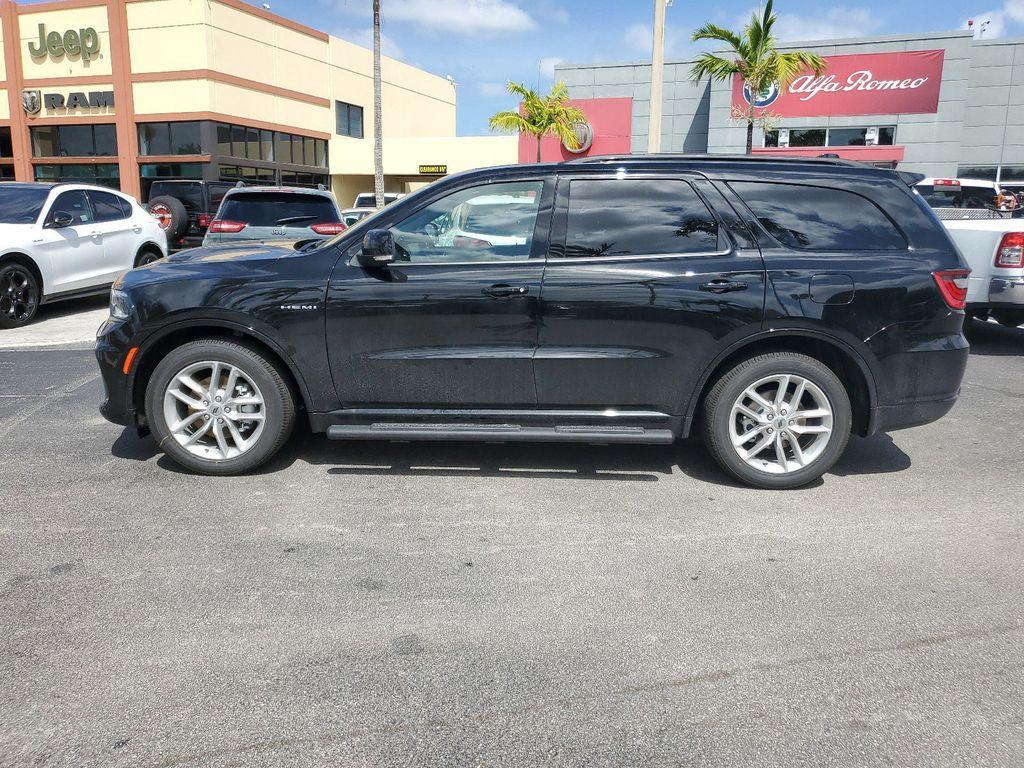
x=772, y=306
x=185, y=208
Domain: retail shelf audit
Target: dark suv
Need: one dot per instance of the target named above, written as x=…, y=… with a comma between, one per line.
x=772, y=306
x=185, y=208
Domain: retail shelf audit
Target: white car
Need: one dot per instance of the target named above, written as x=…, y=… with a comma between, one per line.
x=62, y=241
x=369, y=199
x=991, y=241
x=352, y=216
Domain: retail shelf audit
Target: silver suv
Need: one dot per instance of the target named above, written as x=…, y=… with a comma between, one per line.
x=274, y=214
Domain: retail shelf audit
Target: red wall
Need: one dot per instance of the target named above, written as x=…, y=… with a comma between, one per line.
x=612, y=121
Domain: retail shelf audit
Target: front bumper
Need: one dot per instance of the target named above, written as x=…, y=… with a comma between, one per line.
x=112, y=344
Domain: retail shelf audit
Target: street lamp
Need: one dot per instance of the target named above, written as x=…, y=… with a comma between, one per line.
x=657, y=76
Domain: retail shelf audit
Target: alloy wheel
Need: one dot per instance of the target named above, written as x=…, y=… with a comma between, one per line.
x=214, y=410
x=781, y=424
x=17, y=296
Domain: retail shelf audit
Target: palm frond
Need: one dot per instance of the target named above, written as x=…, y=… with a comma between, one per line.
x=715, y=32
x=715, y=67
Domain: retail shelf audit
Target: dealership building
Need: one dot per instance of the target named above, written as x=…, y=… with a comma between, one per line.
x=940, y=104
x=121, y=92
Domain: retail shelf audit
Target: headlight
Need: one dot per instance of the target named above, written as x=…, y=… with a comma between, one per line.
x=121, y=305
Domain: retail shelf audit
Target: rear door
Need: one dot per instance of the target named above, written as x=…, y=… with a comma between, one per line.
x=649, y=276
x=118, y=232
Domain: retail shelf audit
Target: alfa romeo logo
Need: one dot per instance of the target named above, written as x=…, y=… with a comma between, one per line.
x=765, y=98
x=32, y=101
x=584, y=138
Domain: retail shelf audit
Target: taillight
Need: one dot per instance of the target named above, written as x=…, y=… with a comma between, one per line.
x=1011, y=250
x=953, y=286
x=462, y=241
x=204, y=219
x=328, y=229
x=219, y=225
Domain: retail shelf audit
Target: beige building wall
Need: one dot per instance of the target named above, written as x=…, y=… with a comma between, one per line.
x=61, y=21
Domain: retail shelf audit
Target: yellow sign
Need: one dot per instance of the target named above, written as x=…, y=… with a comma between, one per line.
x=433, y=170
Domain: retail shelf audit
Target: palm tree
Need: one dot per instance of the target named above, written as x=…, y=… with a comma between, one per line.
x=378, y=152
x=752, y=55
x=541, y=116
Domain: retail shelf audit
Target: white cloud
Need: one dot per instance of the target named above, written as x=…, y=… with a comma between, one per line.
x=547, y=66
x=464, y=17
x=364, y=37
x=1015, y=9
x=493, y=89
x=836, y=22
x=640, y=38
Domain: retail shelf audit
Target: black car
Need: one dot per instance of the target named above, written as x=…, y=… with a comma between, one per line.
x=185, y=208
x=772, y=306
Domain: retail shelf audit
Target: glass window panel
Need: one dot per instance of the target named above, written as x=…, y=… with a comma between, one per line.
x=267, y=146
x=283, y=148
x=310, y=151
x=820, y=218
x=185, y=139
x=252, y=137
x=297, y=150
x=807, y=137
x=153, y=139
x=44, y=141
x=355, y=122
x=76, y=141
x=223, y=139
x=7, y=172
x=771, y=138
x=6, y=148
x=107, y=207
x=847, y=137
x=321, y=153
x=491, y=222
x=73, y=203
x=887, y=135
x=237, y=141
x=625, y=217
x=106, y=140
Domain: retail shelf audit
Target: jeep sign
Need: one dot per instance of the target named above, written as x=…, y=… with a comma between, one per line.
x=83, y=42
x=861, y=84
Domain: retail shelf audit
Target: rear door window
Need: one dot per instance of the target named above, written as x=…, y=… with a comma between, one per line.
x=819, y=218
x=278, y=209
x=609, y=218
x=108, y=207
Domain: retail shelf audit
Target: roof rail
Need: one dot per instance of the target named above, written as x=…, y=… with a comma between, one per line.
x=671, y=157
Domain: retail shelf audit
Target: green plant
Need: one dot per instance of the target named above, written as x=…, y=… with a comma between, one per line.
x=752, y=55
x=541, y=116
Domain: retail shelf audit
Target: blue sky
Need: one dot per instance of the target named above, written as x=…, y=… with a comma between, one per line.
x=484, y=43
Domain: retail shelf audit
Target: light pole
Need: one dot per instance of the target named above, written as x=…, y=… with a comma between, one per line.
x=657, y=76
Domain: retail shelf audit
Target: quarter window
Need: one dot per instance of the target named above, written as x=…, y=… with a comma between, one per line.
x=491, y=222
x=820, y=218
x=637, y=217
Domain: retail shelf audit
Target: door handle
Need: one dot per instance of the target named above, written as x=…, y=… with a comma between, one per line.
x=724, y=286
x=503, y=291
x=136, y=229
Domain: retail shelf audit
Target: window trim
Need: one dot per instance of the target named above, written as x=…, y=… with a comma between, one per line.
x=559, y=229
x=896, y=227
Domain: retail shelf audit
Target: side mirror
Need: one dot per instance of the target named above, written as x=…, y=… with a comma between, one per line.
x=378, y=248
x=60, y=220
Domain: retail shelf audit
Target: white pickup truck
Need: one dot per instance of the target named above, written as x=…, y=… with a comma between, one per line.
x=991, y=240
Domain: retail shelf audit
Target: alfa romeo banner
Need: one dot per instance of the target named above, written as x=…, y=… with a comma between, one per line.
x=859, y=84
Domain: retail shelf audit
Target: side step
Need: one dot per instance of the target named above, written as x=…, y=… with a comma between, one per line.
x=501, y=433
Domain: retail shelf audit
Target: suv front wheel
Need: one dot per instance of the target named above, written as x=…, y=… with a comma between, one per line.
x=778, y=420
x=218, y=407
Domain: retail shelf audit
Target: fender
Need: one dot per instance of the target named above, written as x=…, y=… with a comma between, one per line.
x=774, y=334
x=246, y=329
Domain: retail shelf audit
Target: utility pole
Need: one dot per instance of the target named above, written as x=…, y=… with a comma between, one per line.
x=657, y=76
x=378, y=153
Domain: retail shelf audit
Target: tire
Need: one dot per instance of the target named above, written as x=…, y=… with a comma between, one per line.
x=257, y=379
x=725, y=418
x=147, y=255
x=171, y=214
x=19, y=295
x=1010, y=318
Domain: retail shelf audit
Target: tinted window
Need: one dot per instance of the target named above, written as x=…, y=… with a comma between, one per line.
x=6, y=149
x=190, y=194
x=21, y=205
x=491, y=222
x=810, y=137
x=820, y=218
x=74, y=204
x=185, y=139
x=642, y=217
x=278, y=209
x=349, y=119
x=154, y=139
x=108, y=207
x=283, y=150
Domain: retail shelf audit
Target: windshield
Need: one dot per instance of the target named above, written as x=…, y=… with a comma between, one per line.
x=21, y=205
x=278, y=209
x=189, y=193
x=957, y=197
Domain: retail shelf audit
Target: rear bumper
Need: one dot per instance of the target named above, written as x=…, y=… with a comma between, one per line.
x=889, y=418
x=996, y=292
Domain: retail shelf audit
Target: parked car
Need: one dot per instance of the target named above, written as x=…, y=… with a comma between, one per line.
x=369, y=199
x=185, y=208
x=273, y=214
x=350, y=216
x=773, y=306
x=992, y=243
x=63, y=241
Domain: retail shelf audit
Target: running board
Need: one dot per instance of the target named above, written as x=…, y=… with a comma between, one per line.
x=501, y=433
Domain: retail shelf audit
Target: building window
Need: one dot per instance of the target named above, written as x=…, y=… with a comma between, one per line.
x=103, y=174
x=248, y=174
x=833, y=137
x=350, y=119
x=6, y=173
x=308, y=180
x=985, y=172
x=170, y=139
x=150, y=172
x=6, y=148
x=74, y=141
x=244, y=143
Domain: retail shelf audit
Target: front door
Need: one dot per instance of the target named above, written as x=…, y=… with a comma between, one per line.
x=453, y=322
x=118, y=232
x=647, y=280
x=75, y=252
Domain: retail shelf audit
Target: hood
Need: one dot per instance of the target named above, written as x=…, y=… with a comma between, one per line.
x=234, y=252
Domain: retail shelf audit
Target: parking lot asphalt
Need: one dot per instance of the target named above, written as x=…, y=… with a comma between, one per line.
x=361, y=604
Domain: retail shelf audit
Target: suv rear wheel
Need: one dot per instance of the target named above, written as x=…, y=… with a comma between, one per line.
x=779, y=420
x=170, y=213
x=218, y=407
